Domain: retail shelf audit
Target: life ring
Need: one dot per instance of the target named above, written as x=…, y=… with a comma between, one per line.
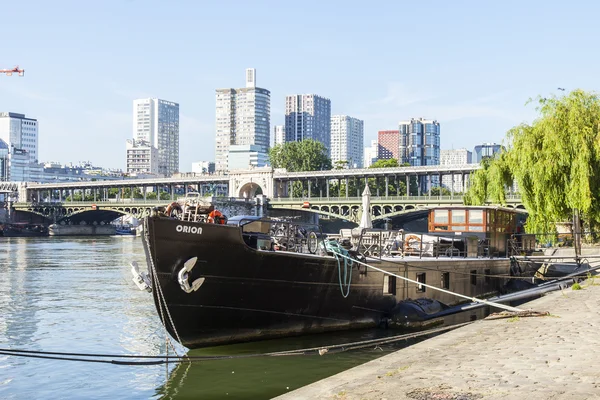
x=173, y=210
x=412, y=243
x=216, y=217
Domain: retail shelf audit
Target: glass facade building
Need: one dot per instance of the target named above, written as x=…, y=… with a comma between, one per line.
x=420, y=146
x=486, y=150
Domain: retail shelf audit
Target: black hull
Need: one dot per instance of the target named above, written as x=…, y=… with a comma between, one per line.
x=251, y=294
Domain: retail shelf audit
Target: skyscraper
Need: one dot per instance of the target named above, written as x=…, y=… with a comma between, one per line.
x=156, y=123
x=389, y=145
x=419, y=142
x=347, y=136
x=420, y=146
x=308, y=116
x=243, y=118
x=20, y=137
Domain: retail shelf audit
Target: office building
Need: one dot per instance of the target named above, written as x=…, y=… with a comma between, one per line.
x=246, y=156
x=142, y=157
x=308, y=116
x=347, y=136
x=279, y=134
x=156, y=122
x=242, y=118
x=420, y=146
x=486, y=150
x=371, y=154
x=19, y=135
x=455, y=157
x=389, y=145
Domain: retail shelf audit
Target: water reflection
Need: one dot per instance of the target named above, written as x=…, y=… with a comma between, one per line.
x=75, y=294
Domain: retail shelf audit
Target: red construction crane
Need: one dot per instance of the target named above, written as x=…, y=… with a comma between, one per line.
x=9, y=72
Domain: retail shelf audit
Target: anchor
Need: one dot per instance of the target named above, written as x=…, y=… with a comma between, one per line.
x=184, y=275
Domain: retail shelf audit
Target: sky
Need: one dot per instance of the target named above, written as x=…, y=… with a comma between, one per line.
x=471, y=65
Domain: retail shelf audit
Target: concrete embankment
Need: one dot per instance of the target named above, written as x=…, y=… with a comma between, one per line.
x=549, y=357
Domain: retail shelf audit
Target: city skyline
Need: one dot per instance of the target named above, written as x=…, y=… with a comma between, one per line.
x=82, y=77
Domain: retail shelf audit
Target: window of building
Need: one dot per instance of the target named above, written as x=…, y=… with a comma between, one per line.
x=445, y=280
x=389, y=284
x=421, y=278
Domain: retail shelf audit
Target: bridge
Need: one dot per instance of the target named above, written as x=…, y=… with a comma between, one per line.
x=335, y=193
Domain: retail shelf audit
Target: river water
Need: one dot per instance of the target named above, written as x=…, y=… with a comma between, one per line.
x=76, y=295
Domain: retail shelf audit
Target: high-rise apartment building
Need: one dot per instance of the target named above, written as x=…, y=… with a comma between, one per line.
x=156, y=122
x=419, y=142
x=486, y=150
x=420, y=146
x=347, y=137
x=389, y=145
x=455, y=157
x=308, y=116
x=20, y=137
x=279, y=134
x=371, y=154
x=243, y=118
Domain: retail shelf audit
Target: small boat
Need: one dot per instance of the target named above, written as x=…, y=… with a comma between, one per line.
x=125, y=230
x=23, y=229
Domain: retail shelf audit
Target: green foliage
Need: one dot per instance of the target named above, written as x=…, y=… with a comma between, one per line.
x=306, y=155
x=389, y=163
x=554, y=162
x=576, y=286
x=151, y=196
x=439, y=191
x=340, y=164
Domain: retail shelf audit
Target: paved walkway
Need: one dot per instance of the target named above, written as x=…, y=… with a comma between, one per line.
x=550, y=357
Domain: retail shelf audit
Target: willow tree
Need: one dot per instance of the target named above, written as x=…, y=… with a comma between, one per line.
x=555, y=162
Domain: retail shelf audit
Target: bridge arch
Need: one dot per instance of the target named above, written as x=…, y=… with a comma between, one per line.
x=249, y=190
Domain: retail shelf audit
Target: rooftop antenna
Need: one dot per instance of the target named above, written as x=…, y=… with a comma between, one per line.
x=15, y=70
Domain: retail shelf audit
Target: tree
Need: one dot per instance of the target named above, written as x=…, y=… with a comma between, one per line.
x=389, y=163
x=554, y=162
x=306, y=155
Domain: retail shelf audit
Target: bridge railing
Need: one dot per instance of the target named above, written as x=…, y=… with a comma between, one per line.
x=374, y=198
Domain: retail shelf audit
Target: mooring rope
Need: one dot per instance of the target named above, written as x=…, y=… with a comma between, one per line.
x=474, y=299
x=337, y=250
x=161, y=359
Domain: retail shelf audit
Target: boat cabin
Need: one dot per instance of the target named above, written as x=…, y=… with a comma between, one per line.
x=493, y=225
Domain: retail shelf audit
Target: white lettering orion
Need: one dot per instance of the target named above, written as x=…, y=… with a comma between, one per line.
x=195, y=230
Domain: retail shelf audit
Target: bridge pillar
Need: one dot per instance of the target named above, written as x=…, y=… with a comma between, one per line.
x=309, y=188
x=347, y=186
x=327, y=186
x=407, y=186
x=387, y=183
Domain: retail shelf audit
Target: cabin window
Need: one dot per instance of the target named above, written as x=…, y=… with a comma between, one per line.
x=440, y=216
x=473, y=277
x=488, y=278
x=389, y=284
x=474, y=228
x=458, y=216
x=459, y=228
x=475, y=216
x=445, y=280
x=421, y=279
